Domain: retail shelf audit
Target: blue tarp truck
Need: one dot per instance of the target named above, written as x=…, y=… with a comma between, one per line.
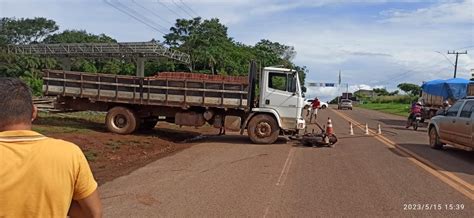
x=435, y=92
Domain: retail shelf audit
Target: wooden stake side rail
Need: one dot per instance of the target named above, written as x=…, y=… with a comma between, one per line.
x=145, y=91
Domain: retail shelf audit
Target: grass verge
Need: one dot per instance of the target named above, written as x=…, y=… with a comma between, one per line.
x=79, y=122
x=391, y=108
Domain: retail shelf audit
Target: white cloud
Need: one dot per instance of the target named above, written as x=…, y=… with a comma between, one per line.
x=447, y=12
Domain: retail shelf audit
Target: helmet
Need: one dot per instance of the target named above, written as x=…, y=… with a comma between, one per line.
x=446, y=102
x=418, y=103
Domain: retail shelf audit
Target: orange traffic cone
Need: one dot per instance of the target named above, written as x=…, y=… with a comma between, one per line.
x=329, y=129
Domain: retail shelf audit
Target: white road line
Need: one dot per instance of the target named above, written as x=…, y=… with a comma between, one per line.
x=443, y=175
x=266, y=211
x=286, y=167
x=282, y=178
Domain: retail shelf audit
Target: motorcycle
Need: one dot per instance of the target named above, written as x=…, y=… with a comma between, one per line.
x=416, y=121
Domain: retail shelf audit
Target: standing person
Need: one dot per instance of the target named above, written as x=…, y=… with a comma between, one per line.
x=39, y=176
x=315, y=106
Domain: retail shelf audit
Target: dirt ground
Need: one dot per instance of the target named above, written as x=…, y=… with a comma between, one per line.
x=112, y=155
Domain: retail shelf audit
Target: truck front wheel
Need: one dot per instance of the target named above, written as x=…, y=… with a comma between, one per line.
x=263, y=129
x=121, y=120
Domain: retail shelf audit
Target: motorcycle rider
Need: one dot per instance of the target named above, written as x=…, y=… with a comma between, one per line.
x=443, y=109
x=416, y=108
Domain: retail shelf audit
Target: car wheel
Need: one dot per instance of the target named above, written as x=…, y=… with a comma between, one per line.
x=434, y=139
x=323, y=107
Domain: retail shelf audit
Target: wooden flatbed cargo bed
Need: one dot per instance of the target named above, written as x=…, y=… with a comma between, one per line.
x=153, y=91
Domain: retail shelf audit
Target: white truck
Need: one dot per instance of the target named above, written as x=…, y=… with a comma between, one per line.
x=266, y=107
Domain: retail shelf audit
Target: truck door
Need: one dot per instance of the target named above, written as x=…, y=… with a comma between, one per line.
x=280, y=95
x=446, y=126
x=463, y=126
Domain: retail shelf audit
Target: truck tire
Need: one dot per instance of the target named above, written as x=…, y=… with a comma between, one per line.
x=434, y=139
x=149, y=123
x=263, y=129
x=121, y=120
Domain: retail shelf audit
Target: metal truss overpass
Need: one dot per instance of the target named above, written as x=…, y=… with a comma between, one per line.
x=140, y=51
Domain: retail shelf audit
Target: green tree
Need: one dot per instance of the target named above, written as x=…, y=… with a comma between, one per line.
x=205, y=41
x=77, y=36
x=381, y=91
x=410, y=88
x=26, y=68
x=274, y=53
x=396, y=92
x=84, y=66
x=25, y=30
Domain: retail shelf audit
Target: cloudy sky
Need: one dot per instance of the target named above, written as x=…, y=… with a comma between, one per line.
x=375, y=43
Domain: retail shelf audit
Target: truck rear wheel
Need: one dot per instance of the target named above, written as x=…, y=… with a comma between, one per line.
x=121, y=120
x=263, y=129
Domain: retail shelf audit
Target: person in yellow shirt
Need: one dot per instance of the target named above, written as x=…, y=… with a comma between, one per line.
x=39, y=176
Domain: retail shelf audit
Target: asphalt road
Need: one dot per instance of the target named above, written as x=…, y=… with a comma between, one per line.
x=393, y=174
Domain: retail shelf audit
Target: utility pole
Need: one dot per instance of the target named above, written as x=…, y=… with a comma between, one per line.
x=339, y=86
x=347, y=90
x=456, y=63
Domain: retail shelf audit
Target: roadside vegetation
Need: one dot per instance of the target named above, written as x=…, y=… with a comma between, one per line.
x=391, y=108
x=391, y=102
x=211, y=49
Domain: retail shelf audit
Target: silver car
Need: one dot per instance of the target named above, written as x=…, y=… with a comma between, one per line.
x=345, y=103
x=454, y=127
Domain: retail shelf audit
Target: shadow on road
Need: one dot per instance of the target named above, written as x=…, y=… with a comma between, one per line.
x=400, y=125
x=233, y=139
x=463, y=160
x=420, y=129
x=392, y=122
x=300, y=145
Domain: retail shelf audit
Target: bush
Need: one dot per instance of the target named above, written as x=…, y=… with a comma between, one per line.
x=402, y=99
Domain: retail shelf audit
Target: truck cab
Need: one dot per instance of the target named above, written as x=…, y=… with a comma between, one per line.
x=282, y=94
x=281, y=99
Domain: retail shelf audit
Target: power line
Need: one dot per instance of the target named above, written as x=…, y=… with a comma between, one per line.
x=185, y=11
x=406, y=74
x=445, y=57
x=470, y=46
x=140, y=15
x=166, y=6
x=133, y=14
x=456, y=63
x=151, y=12
x=190, y=9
